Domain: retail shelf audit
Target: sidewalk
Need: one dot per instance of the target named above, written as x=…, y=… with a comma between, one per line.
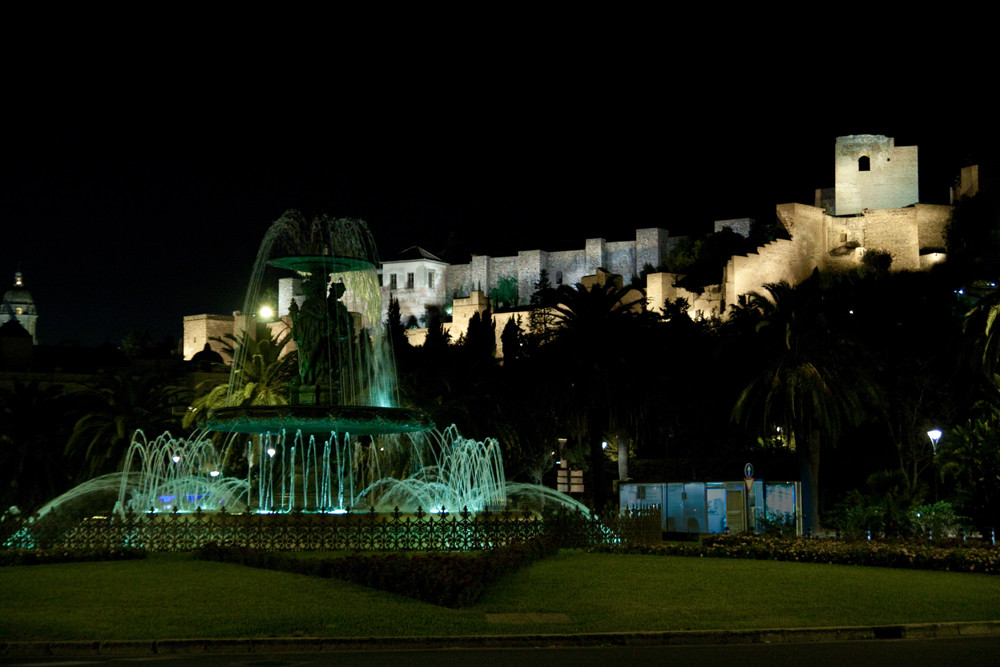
x=62, y=649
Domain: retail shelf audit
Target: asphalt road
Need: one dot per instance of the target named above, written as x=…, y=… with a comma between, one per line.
x=965, y=651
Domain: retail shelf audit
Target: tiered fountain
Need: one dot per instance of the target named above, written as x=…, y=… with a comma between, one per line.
x=339, y=441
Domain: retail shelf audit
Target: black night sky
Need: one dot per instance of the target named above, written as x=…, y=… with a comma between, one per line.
x=135, y=189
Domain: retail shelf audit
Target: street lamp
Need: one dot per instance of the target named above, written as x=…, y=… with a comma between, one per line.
x=934, y=435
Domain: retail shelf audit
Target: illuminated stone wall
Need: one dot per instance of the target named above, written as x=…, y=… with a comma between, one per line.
x=701, y=306
x=568, y=267
x=886, y=178
x=911, y=235
x=739, y=226
x=200, y=329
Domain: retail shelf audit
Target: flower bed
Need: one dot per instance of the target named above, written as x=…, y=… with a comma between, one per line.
x=447, y=579
x=954, y=557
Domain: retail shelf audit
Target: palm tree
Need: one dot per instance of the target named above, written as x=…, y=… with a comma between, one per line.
x=800, y=387
x=970, y=456
x=260, y=377
x=115, y=408
x=983, y=331
x=596, y=339
x=33, y=433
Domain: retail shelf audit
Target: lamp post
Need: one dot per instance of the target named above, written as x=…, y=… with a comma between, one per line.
x=934, y=434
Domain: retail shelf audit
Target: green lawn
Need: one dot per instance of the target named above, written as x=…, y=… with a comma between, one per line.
x=175, y=596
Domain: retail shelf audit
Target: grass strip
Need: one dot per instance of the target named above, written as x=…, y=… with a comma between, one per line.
x=175, y=596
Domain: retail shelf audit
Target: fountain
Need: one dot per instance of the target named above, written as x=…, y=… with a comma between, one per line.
x=338, y=442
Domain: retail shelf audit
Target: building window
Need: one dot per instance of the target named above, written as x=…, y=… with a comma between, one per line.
x=409, y=281
x=392, y=281
x=380, y=280
x=430, y=280
x=864, y=163
x=558, y=277
x=19, y=311
x=843, y=237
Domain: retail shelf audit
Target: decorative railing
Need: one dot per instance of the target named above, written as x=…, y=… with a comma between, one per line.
x=302, y=531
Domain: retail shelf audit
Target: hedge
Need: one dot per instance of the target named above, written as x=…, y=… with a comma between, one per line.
x=447, y=579
x=954, y=557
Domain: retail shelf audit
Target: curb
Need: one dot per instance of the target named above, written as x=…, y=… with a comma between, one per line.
x=331, y=644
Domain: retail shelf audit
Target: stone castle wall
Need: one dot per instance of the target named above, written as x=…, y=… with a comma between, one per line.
x=739, y=226
x=200, y=329
x=459, y=280
x=661, y=286
x=827, y=242
x=626, y=258
x=894, y=231
x=779, y=260
x=932, y=225
x=891, y=180
x=567, y=267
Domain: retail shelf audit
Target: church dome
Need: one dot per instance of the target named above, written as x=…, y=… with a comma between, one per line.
x=17, y=301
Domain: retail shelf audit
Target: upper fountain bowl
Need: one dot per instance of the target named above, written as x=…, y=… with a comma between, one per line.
x=321, y=264
x=353, y=419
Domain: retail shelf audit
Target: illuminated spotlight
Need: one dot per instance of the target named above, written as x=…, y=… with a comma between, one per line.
x=175, y=458
x=271, y=451
x=266, y=312
x=215, y=473
x=934, y=435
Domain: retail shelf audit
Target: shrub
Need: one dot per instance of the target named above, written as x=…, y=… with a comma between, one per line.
x=447, y=579
x=59, y=555
x=953, y=555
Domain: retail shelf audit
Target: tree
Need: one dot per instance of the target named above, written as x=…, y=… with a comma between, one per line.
x=437, y=339
x=511, y=340
x=116, y=407
x=260, y=376
x=596, y=332
x=970, y=455
x=33, y=432
x=395, y=330
x=540, y=319
x=801, y=386
x=973, y=236
x=982, y=329
x=480, y=338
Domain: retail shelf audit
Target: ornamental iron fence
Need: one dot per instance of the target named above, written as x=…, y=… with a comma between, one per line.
x=304, y=531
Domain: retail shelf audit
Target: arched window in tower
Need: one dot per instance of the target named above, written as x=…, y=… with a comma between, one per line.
x=864, y=163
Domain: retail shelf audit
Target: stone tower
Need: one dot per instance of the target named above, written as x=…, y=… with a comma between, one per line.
x=20, y=306
x=871, y=172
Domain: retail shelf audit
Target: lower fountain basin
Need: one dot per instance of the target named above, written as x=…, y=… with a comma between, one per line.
x=353, y=419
